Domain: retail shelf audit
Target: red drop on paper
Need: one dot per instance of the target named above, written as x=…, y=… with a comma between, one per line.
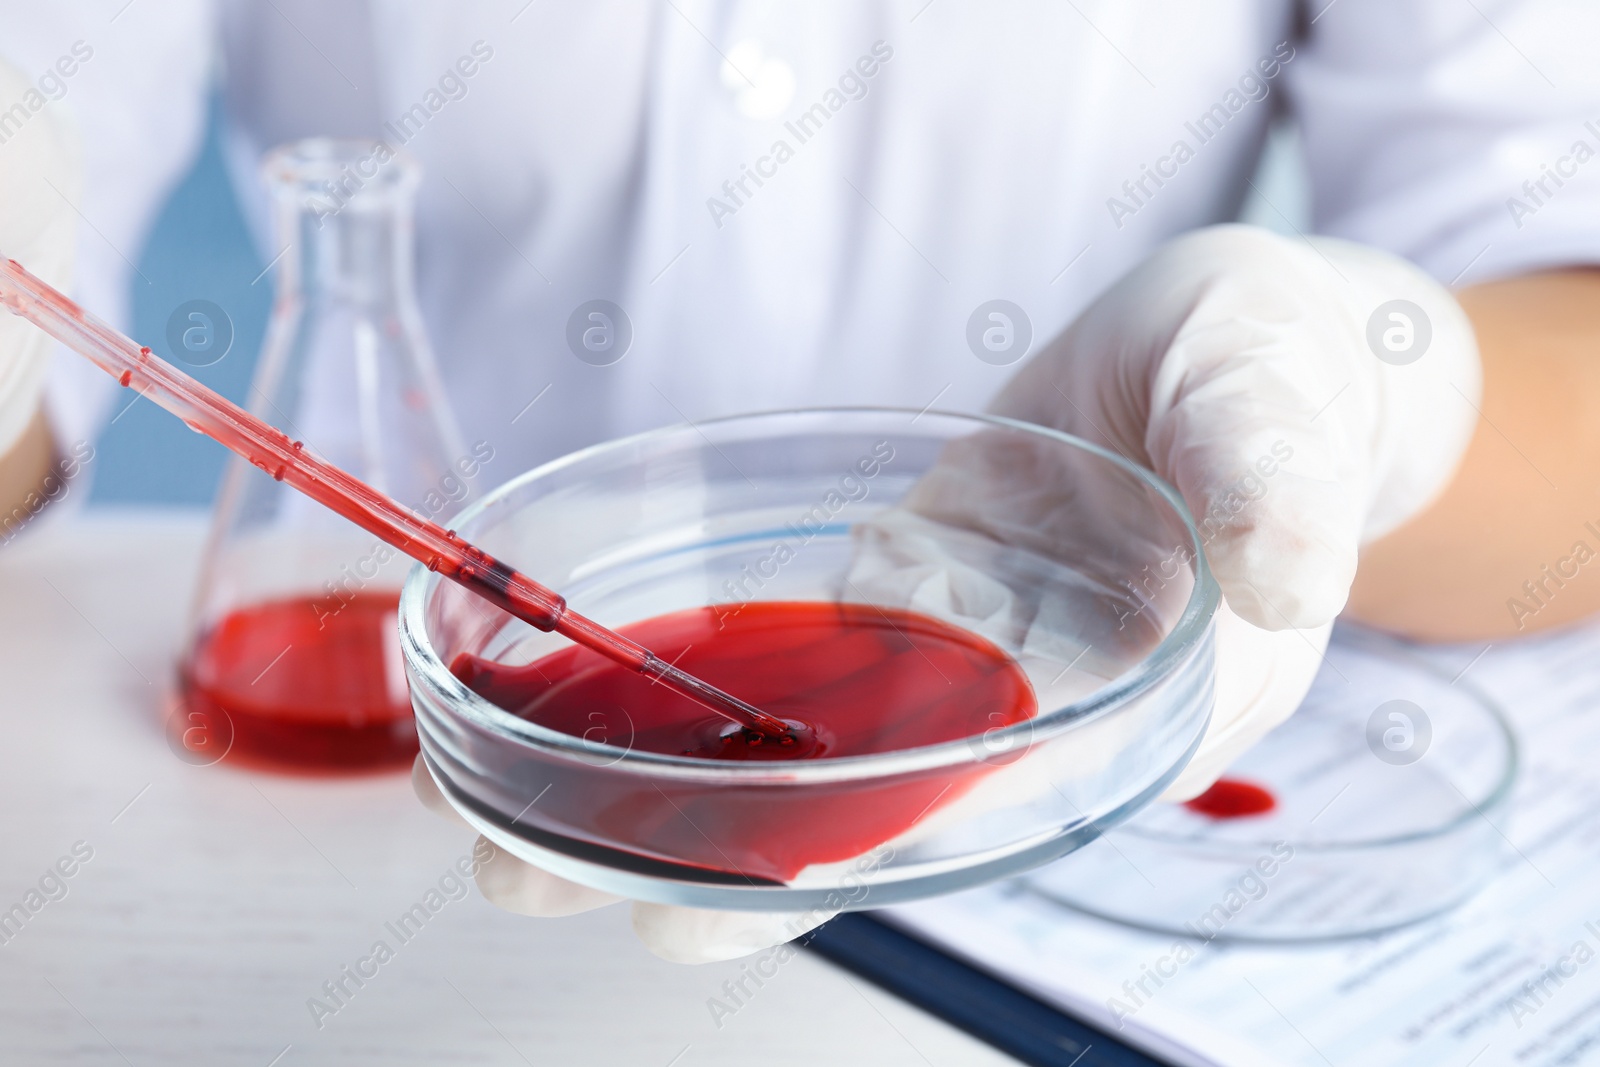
x=1231, y=798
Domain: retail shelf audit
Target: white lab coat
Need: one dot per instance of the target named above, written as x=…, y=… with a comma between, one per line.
x=1029, y=151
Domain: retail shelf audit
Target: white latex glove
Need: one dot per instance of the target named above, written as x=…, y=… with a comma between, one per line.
x=1232, y=352
x=681, y=935
x=38, y=230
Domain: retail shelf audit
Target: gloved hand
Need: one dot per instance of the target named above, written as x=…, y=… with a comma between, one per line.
x=1228, y=353
x=37, y=228
x=682, y=935
x=1266, y=380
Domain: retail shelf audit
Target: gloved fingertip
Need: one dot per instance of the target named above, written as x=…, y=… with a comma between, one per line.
x=428, y=792
x=1284, y=574
x=515, y=886
x=1190, y=784
x=1312, y=601
x=695, y=935
x=1262, y=676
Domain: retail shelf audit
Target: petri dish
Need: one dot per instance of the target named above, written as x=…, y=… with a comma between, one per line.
x=1082, y=567
x=1391, y=786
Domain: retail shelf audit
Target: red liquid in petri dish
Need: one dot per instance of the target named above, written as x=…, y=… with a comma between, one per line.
x=1232, y=798
x=866, y=680
x=301, y=689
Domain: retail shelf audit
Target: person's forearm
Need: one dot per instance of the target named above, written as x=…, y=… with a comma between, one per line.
x=1513, y=545
x=22, y=472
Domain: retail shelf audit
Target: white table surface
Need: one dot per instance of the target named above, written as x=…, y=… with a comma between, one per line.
x=218, y=902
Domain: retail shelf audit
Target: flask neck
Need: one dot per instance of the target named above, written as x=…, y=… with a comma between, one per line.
x=362, y=259
x=344, y=213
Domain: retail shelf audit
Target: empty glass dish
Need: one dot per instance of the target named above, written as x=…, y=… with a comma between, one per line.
x=1391, y=785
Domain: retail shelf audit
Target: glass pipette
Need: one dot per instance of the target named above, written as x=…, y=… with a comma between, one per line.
x=439, y=549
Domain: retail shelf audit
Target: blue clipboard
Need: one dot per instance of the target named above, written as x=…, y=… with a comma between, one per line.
x=995, y=1012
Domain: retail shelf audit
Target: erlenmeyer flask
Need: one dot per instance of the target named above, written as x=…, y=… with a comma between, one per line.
x=293, y=658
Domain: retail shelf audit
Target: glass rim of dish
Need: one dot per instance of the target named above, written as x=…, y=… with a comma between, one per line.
x=1472, y=809
x=1168, y=655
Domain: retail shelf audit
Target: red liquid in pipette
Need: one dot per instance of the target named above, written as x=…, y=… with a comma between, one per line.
x=288, y=685
x=868, y=680
x=1232, y=798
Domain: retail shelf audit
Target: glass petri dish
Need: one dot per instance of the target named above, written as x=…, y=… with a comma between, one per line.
x=1084, y=568
x=1391, y=782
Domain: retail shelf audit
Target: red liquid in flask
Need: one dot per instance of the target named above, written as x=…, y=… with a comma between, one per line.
x=866, y=680
x=1232, y=798
x=303, y=688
